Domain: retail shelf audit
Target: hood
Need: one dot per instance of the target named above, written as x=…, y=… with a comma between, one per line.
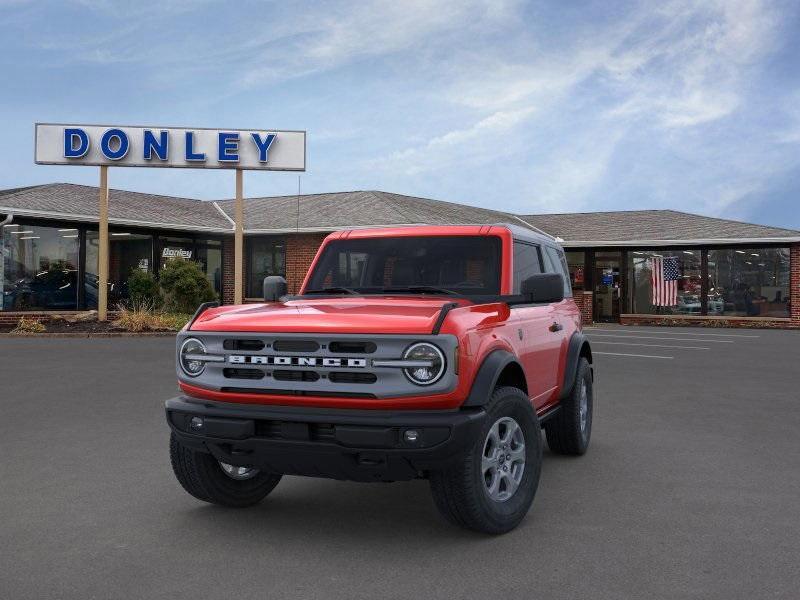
x=384, y=314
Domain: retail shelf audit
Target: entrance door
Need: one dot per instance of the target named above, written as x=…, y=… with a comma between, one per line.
x=607, y=285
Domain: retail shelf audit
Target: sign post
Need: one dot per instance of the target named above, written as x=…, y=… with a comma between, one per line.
x=238, y=241
x=176, y=147
x=102, y=255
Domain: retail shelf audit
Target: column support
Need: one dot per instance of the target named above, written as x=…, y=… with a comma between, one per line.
x=102, y=255
x=238, y=251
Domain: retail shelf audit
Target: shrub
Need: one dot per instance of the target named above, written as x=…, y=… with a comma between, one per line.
x=143, y=289
x=184, y=286
x=140, y=317
x=28, y=325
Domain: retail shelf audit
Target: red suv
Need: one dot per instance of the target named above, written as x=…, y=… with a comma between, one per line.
x=414, y=352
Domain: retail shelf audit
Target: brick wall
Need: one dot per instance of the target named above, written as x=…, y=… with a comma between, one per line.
x=584, y=302
x=794, y=283
x=300, y=251
x=228, y=267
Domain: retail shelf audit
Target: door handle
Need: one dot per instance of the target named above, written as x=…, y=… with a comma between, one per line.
x=556, y=327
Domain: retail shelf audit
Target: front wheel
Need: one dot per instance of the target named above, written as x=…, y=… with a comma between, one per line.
x=492, y=487
x=210, y=480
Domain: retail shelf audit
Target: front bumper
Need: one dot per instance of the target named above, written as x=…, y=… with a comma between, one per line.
x=357, y=445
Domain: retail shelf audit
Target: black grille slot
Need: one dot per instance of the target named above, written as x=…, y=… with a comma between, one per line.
x=350, y=377
x=243, y=373
x=269, y=429
x=313, y=394
x=322, y=431
x=247, y=345
x=295, y=346
x=353, y=347
x=295, y=375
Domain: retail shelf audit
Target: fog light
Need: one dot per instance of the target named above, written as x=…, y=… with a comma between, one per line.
x=196, y=424
x=411, y=436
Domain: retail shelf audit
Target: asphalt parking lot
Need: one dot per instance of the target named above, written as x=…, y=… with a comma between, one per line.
x=691, y=489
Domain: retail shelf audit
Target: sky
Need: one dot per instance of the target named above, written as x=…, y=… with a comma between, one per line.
x=528, y=107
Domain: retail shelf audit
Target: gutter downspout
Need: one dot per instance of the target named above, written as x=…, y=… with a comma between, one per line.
x=7, y=220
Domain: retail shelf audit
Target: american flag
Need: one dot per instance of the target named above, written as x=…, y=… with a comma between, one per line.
x=664, y=277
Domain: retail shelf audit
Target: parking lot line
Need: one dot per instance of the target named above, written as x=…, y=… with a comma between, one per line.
x=635, y=355
x=633, y=331
x=652, y=345
x=650, y=337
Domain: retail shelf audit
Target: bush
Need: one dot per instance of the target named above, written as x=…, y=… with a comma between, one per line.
x=184, y=286
x=27, y=325
x=143, y=317
x=143, y=289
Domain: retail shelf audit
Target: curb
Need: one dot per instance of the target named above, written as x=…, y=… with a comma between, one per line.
x=121, y=334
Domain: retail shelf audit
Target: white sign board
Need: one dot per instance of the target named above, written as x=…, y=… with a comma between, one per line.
x=189, y=148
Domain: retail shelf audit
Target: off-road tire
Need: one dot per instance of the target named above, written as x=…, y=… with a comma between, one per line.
x=460, y=492
x=201, y=475
x=564, y=432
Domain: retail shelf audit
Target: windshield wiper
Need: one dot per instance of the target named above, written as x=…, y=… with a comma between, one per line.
x=422, y=289
x=334, y=290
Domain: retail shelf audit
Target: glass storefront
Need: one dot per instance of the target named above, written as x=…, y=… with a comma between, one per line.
x=748, y=282
x=576, y=261
x=209, y=255
x=677, y=293
x=265, y=256
x=128, y=252
x=39, y=267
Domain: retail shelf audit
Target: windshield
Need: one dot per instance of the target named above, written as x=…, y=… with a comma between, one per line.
x=468, y=265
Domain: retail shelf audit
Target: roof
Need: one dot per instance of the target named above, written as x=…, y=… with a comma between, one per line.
x=345, y=210
x=364, y=209
x=667, y=227
x=72, y=202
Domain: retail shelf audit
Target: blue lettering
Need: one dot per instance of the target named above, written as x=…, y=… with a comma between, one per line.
x=190, y=153
x=159, y=146
x=122, y=144
x=228, y=142
x=263, y=145
x=70, y=137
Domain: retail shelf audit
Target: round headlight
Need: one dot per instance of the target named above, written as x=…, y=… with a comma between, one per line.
x=433, y=359
x=192, y=348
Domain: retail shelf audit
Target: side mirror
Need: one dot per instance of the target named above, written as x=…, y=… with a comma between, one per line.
x=274, y=288
x=543, y=287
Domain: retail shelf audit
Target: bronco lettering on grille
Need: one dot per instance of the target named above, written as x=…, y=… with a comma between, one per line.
x=297, y=361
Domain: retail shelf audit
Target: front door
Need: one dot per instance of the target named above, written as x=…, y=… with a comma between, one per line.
x=607, y=286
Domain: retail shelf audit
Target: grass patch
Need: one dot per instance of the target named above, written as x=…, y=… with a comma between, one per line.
x=142, y=317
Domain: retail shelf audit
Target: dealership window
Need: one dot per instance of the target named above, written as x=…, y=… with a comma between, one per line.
x=39, y=267
x=128, y=251
x=665, y=282
x=265, y=256
x=748, y=282
x=576, y=263
x=209, y=255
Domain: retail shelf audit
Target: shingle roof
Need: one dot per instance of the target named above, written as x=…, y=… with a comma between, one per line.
x=649, y=225
x=341, y=210
x=79, y=202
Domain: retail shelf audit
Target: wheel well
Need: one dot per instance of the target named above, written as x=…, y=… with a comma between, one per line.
x=512, y=375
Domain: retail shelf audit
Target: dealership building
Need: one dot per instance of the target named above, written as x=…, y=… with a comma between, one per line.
x=728, y=272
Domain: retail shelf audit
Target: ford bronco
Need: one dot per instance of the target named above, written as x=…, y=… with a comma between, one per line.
x=434, y=352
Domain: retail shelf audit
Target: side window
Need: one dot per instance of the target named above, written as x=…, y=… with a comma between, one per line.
x=557, y=263
x=526, y=263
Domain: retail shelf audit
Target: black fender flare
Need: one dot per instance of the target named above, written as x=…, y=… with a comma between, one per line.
x=577, y=343
x=486, y=379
